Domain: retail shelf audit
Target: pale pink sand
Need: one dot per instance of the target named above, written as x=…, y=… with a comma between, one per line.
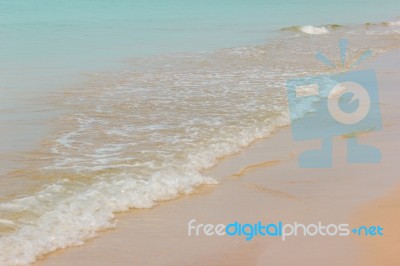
x=280, y=191
x=384, y=250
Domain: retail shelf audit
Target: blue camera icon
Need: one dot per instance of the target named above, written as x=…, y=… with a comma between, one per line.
x=326, y=106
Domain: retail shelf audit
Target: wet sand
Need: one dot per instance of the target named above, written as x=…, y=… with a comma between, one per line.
x=264, y=183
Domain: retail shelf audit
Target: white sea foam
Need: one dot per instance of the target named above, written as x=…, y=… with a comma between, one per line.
x=394, y=23
x=69, y=213
x=68, y=221
x=314, y=30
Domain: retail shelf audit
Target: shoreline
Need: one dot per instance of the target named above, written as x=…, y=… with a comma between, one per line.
x=14, y=161
x=158, y=236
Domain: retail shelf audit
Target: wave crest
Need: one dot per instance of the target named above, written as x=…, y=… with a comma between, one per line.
x=313, y=30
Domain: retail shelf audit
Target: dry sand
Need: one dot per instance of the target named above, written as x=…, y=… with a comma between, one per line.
x=384, y=250
x=264, y=183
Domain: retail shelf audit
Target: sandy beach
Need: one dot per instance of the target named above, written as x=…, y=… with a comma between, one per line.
x=182, y=133
x=260, y=185
x=384, y=250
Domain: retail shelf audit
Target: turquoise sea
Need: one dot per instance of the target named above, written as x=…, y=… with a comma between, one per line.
x=84, y=34
x=111, y=105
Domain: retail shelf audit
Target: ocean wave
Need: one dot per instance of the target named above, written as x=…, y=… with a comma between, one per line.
x=120, y=153
x=313, y=30
x=69, y=213
x=394, y=23
x=385, y=23
x=69, y=222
